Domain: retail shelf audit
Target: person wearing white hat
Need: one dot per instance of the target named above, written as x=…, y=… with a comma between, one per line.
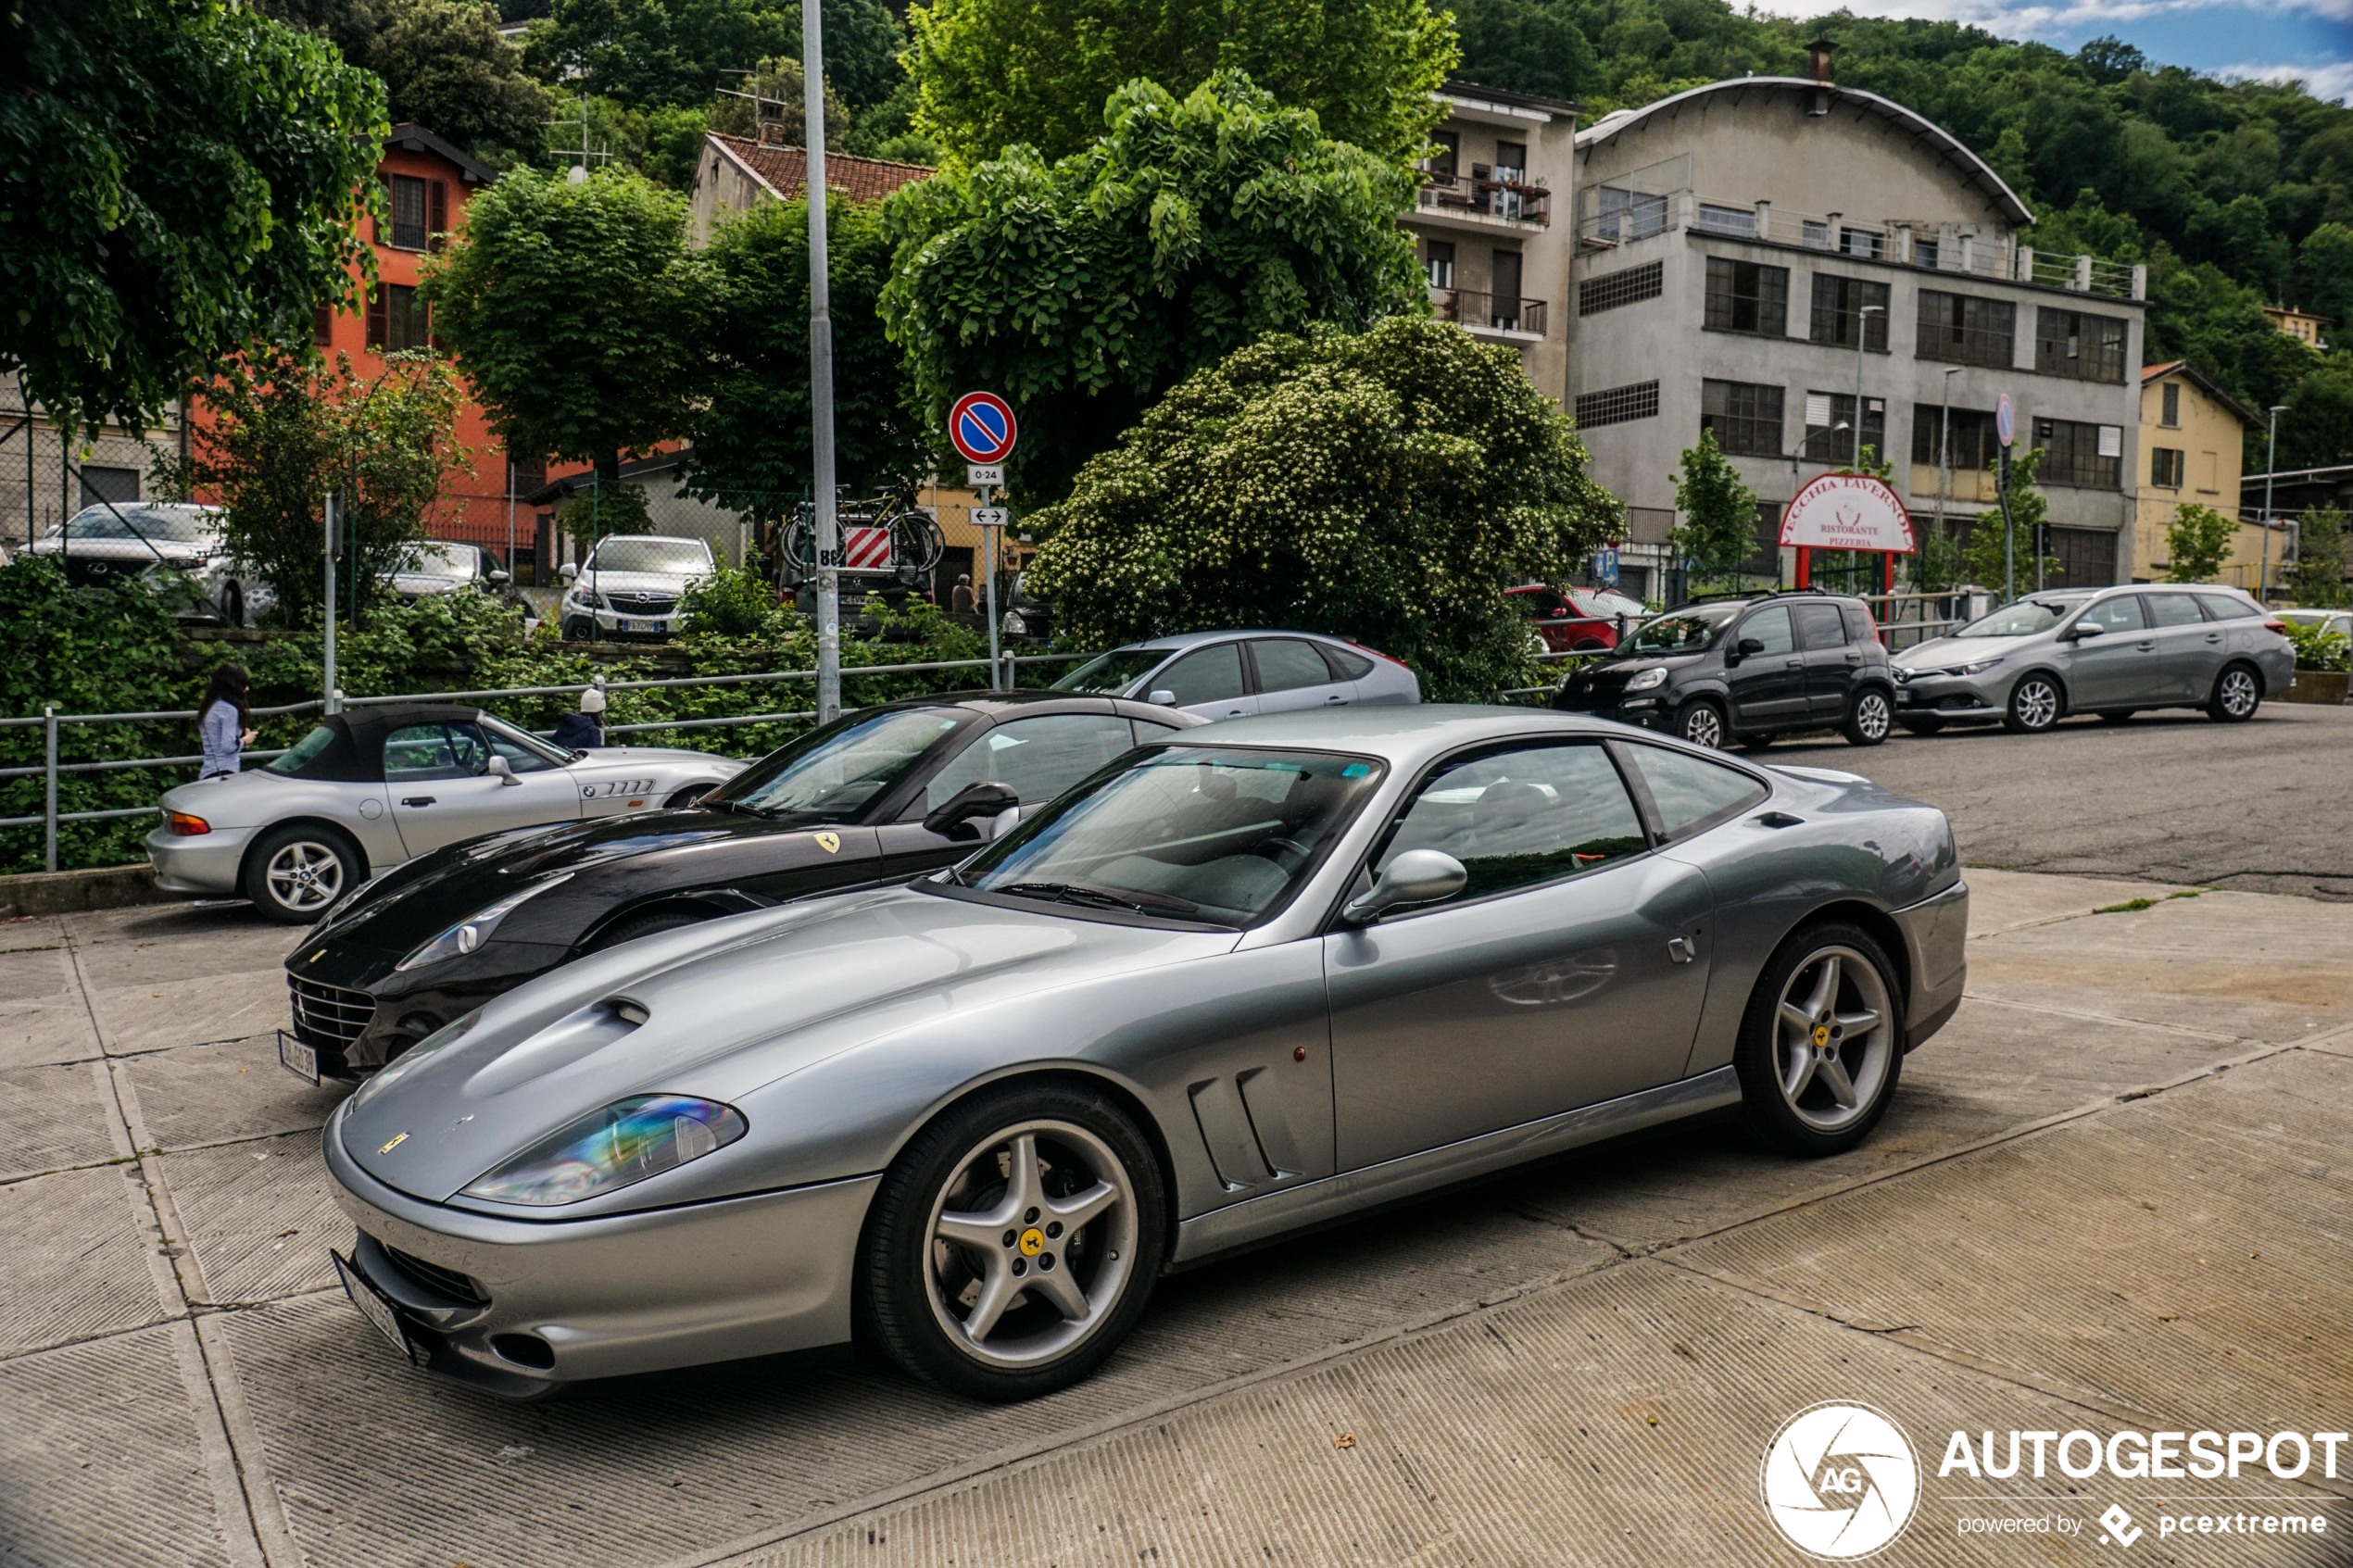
x=584, y=729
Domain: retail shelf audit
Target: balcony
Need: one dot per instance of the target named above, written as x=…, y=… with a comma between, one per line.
x=1498, y=318
x=1485, y=198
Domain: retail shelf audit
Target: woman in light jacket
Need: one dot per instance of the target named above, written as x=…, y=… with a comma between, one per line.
x=225, y=722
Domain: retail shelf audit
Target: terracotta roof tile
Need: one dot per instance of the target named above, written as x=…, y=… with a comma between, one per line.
x=785, y=170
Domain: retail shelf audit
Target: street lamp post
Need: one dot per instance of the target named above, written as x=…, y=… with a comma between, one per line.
x=1944, y=448
x=2271, y=465
x=1862, y=333
x=820, y=365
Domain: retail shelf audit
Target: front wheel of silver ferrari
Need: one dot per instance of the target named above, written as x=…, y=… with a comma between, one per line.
x=1013, y=1244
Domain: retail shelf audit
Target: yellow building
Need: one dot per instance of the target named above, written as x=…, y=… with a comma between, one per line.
x=2193, y=434
x=2301, y=325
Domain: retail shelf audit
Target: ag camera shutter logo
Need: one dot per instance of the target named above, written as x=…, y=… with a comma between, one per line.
x=1840, y=1481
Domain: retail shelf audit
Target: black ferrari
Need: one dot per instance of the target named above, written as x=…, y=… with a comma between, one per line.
x=878, y=796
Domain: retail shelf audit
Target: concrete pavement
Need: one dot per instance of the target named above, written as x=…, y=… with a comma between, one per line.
x=2113, y=1193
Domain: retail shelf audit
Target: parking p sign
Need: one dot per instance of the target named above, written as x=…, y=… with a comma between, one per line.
x=981, y=425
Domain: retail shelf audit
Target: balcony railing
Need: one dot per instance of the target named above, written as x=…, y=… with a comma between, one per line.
x=1478, y=309
x=1485, y=193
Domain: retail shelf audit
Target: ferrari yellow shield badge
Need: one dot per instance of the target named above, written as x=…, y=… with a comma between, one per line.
x=829, y=842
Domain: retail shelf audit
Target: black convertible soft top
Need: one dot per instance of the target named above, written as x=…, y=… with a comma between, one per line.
x=355, y=753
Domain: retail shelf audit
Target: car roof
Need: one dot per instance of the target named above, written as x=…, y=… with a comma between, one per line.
x=1006, y=705
x=1193, y=639
x=1407, y=735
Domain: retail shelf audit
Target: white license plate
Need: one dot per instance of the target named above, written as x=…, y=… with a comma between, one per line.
x=372, y=1306
x=629, y=625
x=297, y=1058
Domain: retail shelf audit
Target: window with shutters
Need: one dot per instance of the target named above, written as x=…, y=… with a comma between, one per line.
x=408, y=228
x=1839, y=304
x=397, y=319
x=2166, y=467
x=1966, y=330
x=1746, y=418
x=322, y=324
x=2077, y=453
x=1747, y=296
x=2171, y=417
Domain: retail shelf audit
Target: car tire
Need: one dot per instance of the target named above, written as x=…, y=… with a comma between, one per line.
x=922, y=1273
x=1867, y=718
x=2035, y=705
x=2238, y=692
x=1761, y=741
x=1805, y=1026
x=233, y=606
x=295, y=873
x=1921, y=726
x=634, y=926
x=1700, y=722
x=576, y=630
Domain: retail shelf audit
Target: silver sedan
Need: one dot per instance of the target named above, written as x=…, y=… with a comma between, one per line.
x=372, y=788
x=1234, y=674
x=1253, y=978
x=2111, y=651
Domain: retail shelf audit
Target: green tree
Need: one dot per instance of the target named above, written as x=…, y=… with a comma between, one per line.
x=446, y=68
x=1936, y=565
x=1083, y=289
x=1526, y=46
x=2317, y=578
x=1388, y=486
x=752, y=429
x=573, y=310
x=288, y=430
x=2196, y=543
x=993, y=74
x=646, y=53
x=1717, y=530
x=1982, y=554
x=178, y=179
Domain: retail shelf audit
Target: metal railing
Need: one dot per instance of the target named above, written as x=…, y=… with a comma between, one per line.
x=1483, y=194
x=1004, y=675
x=1477, y=308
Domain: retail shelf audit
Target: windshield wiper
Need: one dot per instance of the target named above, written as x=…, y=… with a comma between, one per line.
x=1100, y=898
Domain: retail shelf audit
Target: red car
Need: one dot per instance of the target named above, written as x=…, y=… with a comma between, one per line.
x=1576, y=620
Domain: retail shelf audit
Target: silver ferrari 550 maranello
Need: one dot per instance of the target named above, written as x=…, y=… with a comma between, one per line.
x=1255, y=977
x=370, y=788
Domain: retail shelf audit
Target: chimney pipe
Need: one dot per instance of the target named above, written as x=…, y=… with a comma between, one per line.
x=1817, y=59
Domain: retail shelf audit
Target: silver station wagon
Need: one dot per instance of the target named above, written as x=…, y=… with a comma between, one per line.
x=2109, y=651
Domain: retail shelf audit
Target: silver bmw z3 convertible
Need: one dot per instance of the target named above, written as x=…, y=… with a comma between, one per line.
x=1257, y=977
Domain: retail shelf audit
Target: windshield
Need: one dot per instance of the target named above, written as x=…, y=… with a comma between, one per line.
x=2023, y=618
x=1112, y=673
x=442, y=560
x=676, y=557
x=1686, y=630
x=297, y=757
x=830, y=774
x=1218, y=835
x=181, y=525
x=524, y=752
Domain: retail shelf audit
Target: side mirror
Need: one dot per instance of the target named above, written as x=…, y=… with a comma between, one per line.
x=986, y=798
x=500, y=574
x=2083, y=628
x=569, y=571
x=499, y=771
x=1163, y=697
x=1419, y=876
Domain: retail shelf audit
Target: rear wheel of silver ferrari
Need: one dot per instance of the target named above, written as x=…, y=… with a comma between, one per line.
x=1013, y=1244
x=1822, y=1045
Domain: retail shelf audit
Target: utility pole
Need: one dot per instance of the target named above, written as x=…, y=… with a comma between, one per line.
x=820, y=365
x=330, y=648
x=1862, y=331
x=1945, y=450
x=2271, y=467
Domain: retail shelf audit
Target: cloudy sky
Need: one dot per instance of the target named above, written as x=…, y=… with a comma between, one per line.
x=2309, y=39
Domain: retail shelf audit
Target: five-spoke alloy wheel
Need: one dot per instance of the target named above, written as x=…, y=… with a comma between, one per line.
x=1822, y=1045
x=297, y=871
x=1013, y=1244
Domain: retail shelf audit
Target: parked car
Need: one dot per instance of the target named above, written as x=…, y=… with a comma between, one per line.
x=173, y=549
x=370, y=788
x=2337, y=621
x=1577, y=619
x=1254, y=978
x=2111, y=651
x=440, y=566
x=879, y=795
x=631, y=586
x=1232, y=675
x=1026, y=617
x=1746, y=670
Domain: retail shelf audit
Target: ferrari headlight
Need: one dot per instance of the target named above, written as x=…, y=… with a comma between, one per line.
x=607, y=1149
x=1655, y=676
x=475, y=929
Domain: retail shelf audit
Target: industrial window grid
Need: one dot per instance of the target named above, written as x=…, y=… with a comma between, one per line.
x=1964, y=329
x=1627, y=286
x=1746, y=296
x=1825, y=411
x=1746, y=416
x=2077, y=344
x=1974, y=438
x=2072, y=453
x=1839, y=304
x=1617, y=405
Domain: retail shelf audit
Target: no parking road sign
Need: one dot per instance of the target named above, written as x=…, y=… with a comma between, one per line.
x=982, y=427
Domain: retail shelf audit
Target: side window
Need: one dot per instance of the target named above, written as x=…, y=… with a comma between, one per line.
x=1858, y=624
x=1146, y=732
x=1345, y=666
x=1517, y=818
x=1770, y=626
x=421, y=751
x=1214, y=675
x=1822, y=626
x=469, y=750
x=1691, y=792
x=2174, y=609
x=1286, y=664
x=1037, y=758
x=520, y=758
x=2226, y=607
x=2121, y=613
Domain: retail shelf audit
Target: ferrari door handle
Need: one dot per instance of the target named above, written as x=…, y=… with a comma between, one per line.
x=2214, y=636
x=417, y=800
x=1680, y=949
x=1793, y=664
x=1335, y=700
x=2145, y=647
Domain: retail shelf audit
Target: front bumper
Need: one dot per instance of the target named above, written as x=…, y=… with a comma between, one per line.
x=202, y=863
x=1951, y=697
x=372, y=1011
x=557, y=1301
x=1651, y=711
x=617, y=624
x=1936, y=952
